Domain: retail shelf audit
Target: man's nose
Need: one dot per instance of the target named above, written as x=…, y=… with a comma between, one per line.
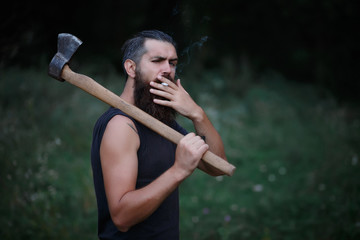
x=166, y=68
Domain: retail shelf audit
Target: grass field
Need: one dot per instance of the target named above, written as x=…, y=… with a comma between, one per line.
x=296, y=149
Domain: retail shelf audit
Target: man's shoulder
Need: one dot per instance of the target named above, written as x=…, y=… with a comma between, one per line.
x=109, y=114
x=120, y=128
x=120, y=121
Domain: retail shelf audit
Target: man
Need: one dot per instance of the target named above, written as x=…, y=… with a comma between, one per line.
x=136, y=171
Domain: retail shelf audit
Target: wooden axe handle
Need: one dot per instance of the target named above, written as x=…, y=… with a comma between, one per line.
x=92, y=87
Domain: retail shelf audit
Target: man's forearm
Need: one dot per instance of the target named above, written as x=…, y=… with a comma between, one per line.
x=204, y=128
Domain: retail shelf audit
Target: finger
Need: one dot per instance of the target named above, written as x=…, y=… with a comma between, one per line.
x=195, y=142
x=162, y=86
x=203, y=148
x=165, y=103
x=161, y=93
x=197, y=139
x=199, y=143
x=178, y=83
x=188, y=137
x=166, y=82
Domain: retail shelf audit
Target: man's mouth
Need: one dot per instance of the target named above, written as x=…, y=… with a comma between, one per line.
x=168, y=78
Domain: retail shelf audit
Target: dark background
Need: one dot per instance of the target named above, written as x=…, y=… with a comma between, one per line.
x=308, y=41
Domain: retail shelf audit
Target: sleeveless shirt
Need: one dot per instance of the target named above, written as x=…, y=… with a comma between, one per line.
x=155, y=155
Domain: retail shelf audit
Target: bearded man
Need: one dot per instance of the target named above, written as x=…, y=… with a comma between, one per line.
x=136, y=171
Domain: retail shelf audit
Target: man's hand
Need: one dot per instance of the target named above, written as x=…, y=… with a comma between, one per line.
x=189, y=152
x=177, y=97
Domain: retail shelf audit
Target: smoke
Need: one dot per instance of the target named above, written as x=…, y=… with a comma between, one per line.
x=186, y=16
x=187, y=52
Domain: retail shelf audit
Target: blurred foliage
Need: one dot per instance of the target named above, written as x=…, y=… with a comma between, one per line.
x=46, y=187
x=296, y=149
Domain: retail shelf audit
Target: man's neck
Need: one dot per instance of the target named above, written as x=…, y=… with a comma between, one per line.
x=128, y=92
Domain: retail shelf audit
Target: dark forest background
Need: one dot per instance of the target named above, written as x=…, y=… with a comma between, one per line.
x=278, y=79
x=307, y=41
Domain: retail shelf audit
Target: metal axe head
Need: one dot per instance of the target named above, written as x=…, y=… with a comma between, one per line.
x=67, y=46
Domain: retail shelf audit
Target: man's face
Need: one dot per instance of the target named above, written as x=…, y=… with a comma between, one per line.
x=159, y=60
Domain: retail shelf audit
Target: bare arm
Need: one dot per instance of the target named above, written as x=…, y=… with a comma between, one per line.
x=129, y=206
x=182, y=102
x=204, y=128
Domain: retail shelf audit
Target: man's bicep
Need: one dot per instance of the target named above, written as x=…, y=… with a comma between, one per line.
x=118, y=153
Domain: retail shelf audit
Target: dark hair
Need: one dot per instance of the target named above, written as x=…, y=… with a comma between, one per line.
x=134, y=47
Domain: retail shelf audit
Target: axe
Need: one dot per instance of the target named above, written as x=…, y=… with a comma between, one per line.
x=60, y=70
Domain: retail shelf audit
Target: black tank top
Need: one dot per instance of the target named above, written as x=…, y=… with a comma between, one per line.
x=155, y=155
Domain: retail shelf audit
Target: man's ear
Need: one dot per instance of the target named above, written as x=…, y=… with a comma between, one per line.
x=130, y=67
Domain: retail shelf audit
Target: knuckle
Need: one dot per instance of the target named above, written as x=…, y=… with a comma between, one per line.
x=191, y=134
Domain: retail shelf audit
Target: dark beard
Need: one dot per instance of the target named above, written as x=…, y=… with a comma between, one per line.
x=144, y=101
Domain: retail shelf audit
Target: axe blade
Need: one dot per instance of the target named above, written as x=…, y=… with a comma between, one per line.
x=67, y=46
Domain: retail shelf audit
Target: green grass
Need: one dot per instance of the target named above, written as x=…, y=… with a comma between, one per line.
x=295, y=147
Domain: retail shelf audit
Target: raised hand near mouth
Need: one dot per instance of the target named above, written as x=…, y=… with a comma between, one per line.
x=176, y=97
